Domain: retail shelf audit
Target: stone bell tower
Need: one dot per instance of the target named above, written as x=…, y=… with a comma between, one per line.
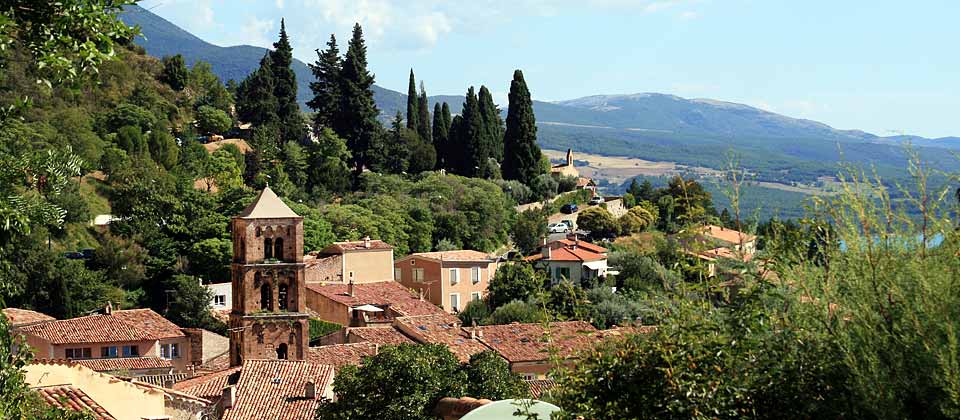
x=269, y=319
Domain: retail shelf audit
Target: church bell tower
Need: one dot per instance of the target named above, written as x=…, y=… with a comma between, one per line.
x=269, y=319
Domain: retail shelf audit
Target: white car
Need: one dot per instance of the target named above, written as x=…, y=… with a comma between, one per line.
x=558, y=228
x=597, y=200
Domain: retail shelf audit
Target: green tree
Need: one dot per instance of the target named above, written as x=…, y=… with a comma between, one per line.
x=516, y=281
x=423, y=157
x=473, y=138
x=296, y=163
x=326, y=88
x=454, y=152
x=208, y=89
x=285, y=89
x=528, y=229
x=210, y=259
x=492, y=123
x=521, y=159
x=517, y=311
x=189, y=304
x=357, y=120
x=489, y=375
x=256, y=103
x=163, y=148
x=413, y=105
x=317, y=232
x=440, y=132
x=329, y=161
x=121, y=260
x=212, y=121
x=427, y=372
x=174, y=72
x=423, y=117
x=130, y=139
x=636, y=220
x=397, y=153
x=127, y=114
x=598, y=221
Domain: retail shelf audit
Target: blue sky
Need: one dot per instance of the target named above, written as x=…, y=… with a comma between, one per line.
x=883, y=66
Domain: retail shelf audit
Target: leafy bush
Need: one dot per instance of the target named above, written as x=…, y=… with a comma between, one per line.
x=320, y=328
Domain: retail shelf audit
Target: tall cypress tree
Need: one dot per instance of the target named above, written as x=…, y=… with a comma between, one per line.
x=285, y=89
x=440, y=131
x=474, y=138
x=456, y=152
x=492, y=123
x=356, y=120
x=326, y=89
x=255, y=101
x=413, y=105
x=521, y=157
x=423, y=116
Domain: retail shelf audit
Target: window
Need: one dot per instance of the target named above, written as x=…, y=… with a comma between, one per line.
x=282, y=351
x=397, y=274
x=282, y=297
x=110, y=351
x=562, y=273
x=267, y=248
x=81, y=353
x=170, y=351
x=475, y=274
x=475, y=296
x=454, y=276
x=418, y=275
x=131, y=351
x=455, y=302
x=529, y=377
x=278, y=248
x=220, y=300
x=266, y=297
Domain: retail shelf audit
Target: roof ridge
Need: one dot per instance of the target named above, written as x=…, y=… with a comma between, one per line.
x=267, y=205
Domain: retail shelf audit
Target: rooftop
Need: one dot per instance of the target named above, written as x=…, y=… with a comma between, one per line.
x=274, y=389
x=125, y=363
x=569, y=254
x=381, y=336
x=538, y=387
x=340, y=355
x=209, y=386
x=441, y=329
x=726, y=235
x=69, y=397
x=457, y=255
x=366, y=244
x=267, y=206
x=23, y=317
x=533, y=342
x=127, y=325
x=389, y=293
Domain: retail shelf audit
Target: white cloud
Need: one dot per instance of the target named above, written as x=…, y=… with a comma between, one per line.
x=689, y=15
x=253, y=31
x=279, y=4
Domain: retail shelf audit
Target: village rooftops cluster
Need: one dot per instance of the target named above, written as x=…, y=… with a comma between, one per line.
x=120, y=325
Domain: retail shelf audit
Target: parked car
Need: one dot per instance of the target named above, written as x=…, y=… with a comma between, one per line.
x=569, y=208
x=557, y=228
x=568, y=222
x=596, y=200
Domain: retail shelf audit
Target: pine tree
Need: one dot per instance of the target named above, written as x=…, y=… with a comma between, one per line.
x=423, y=116
x=326, y=89
x=521, y=157
x=492, y=123
x=356, y=120
x=413, y=105
x=474, y=140
x=397, y=150
x=440, y=131
x=174, y=72
x=255, y=101
x=285, y=89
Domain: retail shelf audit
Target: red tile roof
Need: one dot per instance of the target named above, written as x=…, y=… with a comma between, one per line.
x=457, y=255
x=274, y=389
x=209, y=386
x=538, y=387
x=129, y=325
x=125, y=363
x=340, y=355
x=589, y=246
x=441, y=329
x=381, y=336
x=727, y=235
x=455, y=408
x=72, y=398
x=341, y=247
x=389, y=293
x=151, y=322
x=533, y=342
x=569, y=254
x=22, y=317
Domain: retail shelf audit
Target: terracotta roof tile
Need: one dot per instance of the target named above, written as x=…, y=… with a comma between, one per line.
x=441, y=329
x=389, y=293
x=340, y=355
x=88, y=329
x=23, y=317
x=589, y=246
x=538, y=387
x=529, y=342
x=72, y=398
x=209, y=386
x=727, y=235
x=341, y=247
x=457, y=255
x=145, y=319
x=381, y=336
x=455, y=408
x=125, y=363
x=274, y=389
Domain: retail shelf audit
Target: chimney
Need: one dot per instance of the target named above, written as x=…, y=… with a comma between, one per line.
x=576, y=241
x=310, y=390
x=366, y=241
x=108, y=309
x=229, y=396
x=543, y=241
x=546, y=252
x=420, y=293
x=473, y=330
x=350, y=287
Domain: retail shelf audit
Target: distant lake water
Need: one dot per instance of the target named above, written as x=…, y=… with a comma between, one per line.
x=932, y=242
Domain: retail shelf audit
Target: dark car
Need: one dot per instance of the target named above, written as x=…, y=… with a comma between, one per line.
x=569, y=208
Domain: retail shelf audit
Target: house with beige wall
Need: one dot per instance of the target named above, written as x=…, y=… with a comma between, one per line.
x=364, y=261
x=136, y=341
x=571, y=259
x=449, y=279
